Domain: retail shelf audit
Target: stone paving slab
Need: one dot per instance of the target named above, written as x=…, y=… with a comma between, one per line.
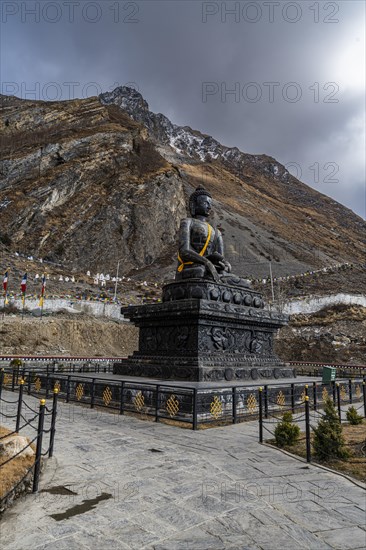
x=126, y=483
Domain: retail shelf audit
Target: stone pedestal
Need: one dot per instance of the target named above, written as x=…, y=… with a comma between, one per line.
x=205, y=331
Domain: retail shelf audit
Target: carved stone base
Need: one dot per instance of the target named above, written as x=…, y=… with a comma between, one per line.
x=204, y=331
x=168, y=369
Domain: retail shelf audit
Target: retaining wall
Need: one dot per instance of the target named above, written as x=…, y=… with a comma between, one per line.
x=98, y=309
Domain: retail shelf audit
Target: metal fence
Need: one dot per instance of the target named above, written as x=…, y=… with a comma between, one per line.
x=23, y=417
x=65, y=366
x=105, y=365
x=307, y=411
x=183, y=404
x=307, y=368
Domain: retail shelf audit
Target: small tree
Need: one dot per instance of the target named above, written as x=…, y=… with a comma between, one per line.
x=16, y=363
x=286, y=432
x=353, y=417
x=328, y=439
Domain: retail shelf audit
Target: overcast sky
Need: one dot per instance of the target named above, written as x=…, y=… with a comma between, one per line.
x=296, y=71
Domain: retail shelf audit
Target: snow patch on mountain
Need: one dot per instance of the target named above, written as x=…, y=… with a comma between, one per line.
x=185, y=141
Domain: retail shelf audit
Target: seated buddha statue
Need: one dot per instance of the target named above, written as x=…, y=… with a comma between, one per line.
x=201, y=246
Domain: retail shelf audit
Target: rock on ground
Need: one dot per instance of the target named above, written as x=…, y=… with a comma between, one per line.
x=12, y=445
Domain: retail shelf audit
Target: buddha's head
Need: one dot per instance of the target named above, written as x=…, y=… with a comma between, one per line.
x=200, y=202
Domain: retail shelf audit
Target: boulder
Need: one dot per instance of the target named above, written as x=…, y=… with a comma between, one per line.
x=13, y=444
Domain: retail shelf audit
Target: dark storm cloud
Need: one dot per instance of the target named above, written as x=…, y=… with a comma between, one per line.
x=295, y=71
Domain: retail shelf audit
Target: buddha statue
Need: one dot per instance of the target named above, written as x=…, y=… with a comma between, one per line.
x=201, y=246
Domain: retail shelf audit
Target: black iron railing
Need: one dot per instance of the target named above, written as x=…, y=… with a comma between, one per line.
x=307, y=411
x=307, y=368
x=183, y=403
x=22, y=417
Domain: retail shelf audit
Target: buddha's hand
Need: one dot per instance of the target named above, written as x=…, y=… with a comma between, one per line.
x=223, y=265
x=212, y=270
x=227, y=266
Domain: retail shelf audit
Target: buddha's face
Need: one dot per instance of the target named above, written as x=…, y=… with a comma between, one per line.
x=203, y=205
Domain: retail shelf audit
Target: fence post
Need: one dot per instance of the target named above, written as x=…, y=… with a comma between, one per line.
x=37, y=463
x=20, y=403
x=29, y=382
x=53, y=421
x=234, y=405
x=194, y=424
x=47, y=383
x=293, y=398
x=1, y=380
x=121, y=400
x=157, y=404
x=364, y=398
x=68, y=389
x=350, y=390
x=260, y=395
x=307, y=428
x=314, y=396
x=339, y=402
x=266, y=401
x=92, y=393
x=334, y=391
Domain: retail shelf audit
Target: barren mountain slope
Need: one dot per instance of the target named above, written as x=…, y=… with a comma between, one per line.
x=82, y=182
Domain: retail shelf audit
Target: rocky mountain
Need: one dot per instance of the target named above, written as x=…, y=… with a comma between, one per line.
x=93, y=181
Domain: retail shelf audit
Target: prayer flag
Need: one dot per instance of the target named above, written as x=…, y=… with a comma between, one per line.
x=23, y=284
x=41, y=301
x=5, y=280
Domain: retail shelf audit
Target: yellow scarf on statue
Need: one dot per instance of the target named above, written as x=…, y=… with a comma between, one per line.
x=182, y=264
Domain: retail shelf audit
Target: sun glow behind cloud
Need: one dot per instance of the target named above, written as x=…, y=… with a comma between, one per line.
x=349, y=65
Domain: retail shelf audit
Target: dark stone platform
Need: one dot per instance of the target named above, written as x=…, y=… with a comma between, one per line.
x=205, y=331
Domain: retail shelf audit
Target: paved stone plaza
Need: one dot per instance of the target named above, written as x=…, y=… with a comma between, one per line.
x=118, y=482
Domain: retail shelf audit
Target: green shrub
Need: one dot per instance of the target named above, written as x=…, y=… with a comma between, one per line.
x=286, y=432
x=16, y=363
x=353, y=417
x=328, y=438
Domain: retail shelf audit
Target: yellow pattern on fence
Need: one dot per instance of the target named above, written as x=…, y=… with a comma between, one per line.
x=216, y=407
x=7, y=379
x=325, y=394
x=37, y=384
x=107, y=396
x=281, y=400
x=79, y=392
x=172, y=406
x=252, y=403
x=139, y=401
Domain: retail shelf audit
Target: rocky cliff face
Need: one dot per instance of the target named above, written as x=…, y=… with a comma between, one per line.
x=81, y=183
x=96, y=180
x=181, y=143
